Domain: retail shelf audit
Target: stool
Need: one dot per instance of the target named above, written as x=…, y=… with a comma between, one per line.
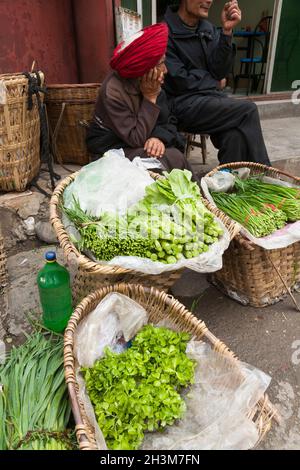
x=191, y=142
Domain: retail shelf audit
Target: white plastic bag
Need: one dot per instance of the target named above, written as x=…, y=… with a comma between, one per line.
x=106, y=185
x=221, y=181
x=148, y=163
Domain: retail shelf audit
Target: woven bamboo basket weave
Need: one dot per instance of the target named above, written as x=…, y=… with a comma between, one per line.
x=19, y=134
x=250, y=273
x=159, y=306
x=69, y=107
x=91, y=275
x=3, y=268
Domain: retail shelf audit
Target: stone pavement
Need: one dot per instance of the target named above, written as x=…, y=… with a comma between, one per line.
x=282, y=138
x=267, y=338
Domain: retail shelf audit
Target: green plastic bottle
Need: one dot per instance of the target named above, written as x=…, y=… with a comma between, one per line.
x=55, y=294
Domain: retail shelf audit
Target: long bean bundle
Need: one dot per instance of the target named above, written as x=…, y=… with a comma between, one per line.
x=284, y=198
x=262, y=208
x=34, y=407
x=258, y=218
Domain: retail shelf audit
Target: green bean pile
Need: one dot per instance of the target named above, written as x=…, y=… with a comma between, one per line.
x=262, y=208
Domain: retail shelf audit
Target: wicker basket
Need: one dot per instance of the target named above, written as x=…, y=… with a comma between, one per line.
x=3, y=268
x=158, y=305
x=91, y=275
x=68, y=107
x=19, y=134
x=251, y=274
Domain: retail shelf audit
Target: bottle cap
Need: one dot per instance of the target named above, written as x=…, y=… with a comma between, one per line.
x=50, y=256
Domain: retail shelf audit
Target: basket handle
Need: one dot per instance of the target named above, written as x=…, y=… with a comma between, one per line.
x=58, y=124
x=54, y=136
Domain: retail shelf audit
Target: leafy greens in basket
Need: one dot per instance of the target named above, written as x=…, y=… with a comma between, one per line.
x=139, y=390
x=168, y=224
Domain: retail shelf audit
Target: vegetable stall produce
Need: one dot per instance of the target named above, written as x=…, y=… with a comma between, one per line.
x=261, y=207
x=139, y=389
x=34, y=406
x=168, y=224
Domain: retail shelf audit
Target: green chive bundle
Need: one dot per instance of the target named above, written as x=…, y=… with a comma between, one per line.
x=34, y=406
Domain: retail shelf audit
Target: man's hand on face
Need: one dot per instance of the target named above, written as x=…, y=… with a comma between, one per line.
x=154, y=148
x=231, y=16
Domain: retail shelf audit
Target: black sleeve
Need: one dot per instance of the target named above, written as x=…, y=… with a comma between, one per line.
x=221, y=57
x=182, y=80
x=163, y=133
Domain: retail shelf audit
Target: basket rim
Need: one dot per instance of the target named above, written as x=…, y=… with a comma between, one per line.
x=91, y=266
x=267, y=169
x=59, y=86
x=68, y=247
x=267, y=410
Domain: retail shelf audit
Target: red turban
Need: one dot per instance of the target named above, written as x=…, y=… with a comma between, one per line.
x=140, y=53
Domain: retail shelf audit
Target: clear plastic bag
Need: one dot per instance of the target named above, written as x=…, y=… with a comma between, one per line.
x=106, y=185
x=218, y=403
x=115, y=316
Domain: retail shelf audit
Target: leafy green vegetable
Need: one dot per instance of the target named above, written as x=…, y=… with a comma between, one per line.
x=171, y=212
x=34, y=406
x=139, y=390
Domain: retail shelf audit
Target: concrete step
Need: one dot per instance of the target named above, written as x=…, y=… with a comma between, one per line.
x=277, y=109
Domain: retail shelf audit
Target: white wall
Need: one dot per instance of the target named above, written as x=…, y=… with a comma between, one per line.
x=251, y=11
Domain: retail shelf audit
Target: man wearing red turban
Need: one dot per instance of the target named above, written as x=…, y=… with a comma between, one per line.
x=132, y=110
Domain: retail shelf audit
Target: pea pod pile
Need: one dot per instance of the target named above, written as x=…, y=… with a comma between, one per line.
x=262, y=208
x=168, y=224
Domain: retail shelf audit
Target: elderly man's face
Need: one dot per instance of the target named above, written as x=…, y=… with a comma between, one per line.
x=198, y=8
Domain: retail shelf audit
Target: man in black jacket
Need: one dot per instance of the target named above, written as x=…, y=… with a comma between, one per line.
x=198, y=57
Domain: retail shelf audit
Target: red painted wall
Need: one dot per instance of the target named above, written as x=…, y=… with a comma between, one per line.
x=95, y=37
x=40, y=30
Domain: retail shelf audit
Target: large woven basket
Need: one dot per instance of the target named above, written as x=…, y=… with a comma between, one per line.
x=19, y=134
x=251, y=274
x=91, y=275
x=69, y=107
x=159, y=306
x=3, y=267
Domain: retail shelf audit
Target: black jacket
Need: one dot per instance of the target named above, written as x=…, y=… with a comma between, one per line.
x=196, y=61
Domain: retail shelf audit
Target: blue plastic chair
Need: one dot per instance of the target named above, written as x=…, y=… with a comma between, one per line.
x=252, y=66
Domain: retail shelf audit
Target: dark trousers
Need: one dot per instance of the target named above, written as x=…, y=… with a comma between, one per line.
x=233, y=125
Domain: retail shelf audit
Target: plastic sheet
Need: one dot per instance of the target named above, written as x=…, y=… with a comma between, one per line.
x=224, y=392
